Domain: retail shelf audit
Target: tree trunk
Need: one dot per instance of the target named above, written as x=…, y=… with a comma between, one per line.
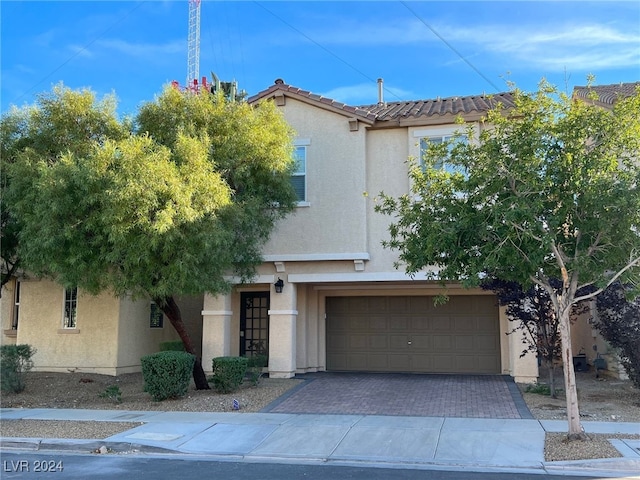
x=552, y=379
x=576, y=432
x=170, y=308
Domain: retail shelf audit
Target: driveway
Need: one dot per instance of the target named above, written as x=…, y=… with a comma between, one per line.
x=462, y=396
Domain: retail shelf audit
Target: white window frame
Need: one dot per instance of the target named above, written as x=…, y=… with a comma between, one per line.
x=15, y=315
x=442, y=135
x=303, y=143
x=70, y=309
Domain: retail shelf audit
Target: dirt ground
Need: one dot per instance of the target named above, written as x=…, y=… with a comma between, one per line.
x=601, y=399
x=86, y=390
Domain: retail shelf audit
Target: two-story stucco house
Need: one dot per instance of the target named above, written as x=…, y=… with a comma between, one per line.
x=328, y=296
x=343, y=305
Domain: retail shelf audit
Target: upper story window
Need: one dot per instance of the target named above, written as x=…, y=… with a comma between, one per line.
x=442, y=163
x=299, y=176
x=70, y=307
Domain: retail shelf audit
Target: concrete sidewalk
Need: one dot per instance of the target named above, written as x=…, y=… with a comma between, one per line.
x=408, y=442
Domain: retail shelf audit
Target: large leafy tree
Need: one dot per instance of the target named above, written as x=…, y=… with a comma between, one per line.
x=62, y=121
x=550, y=189
x=176, y=206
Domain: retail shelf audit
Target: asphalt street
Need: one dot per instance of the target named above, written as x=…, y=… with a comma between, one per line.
x=106, y=467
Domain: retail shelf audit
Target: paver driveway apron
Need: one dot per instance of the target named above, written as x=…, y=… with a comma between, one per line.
x=463, y=396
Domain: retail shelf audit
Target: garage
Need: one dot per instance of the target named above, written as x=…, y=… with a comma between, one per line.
x=411, y=334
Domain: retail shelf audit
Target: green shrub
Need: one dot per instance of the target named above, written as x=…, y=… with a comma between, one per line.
x=15, y=362
x=167, y=374
x=228, y=373
x=255, y=364
x=174, y=346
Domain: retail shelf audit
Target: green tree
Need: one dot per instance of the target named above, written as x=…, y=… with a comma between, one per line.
x=156, y=213
x=63, y=120
x=550, y=189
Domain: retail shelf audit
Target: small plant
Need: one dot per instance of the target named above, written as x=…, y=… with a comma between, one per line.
x=167, y=374
x=113, y=393
x=15, y=362
x=255, y=364
x=540, y=389
x=228, y=373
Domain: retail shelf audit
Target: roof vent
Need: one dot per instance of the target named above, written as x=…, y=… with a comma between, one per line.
x=279, y=81
x=380, y=92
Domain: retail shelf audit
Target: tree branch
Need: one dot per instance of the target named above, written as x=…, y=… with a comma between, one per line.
x=546, y=284
x=631, y=264
x=560, y=258
x=594, y=246
x=519, y=228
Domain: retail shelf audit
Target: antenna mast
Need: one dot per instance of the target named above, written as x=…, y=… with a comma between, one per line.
x=193, y=44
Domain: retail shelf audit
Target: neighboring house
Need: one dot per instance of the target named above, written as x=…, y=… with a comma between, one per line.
x=587, y=343
x=343, y=305
x=605, y=95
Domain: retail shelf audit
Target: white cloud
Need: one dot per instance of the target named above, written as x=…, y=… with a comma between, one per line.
x=366, y=94
x=80, y=51
x=143, y=50
x=581, y=46
x=542, y=45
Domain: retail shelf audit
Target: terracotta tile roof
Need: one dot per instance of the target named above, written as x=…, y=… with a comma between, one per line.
x=607, y=94
x=440, y=106
x=396, y=111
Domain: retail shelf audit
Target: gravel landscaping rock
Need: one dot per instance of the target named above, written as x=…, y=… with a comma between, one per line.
x=57, y=429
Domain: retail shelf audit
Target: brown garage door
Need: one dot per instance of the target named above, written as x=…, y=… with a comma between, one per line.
x=411, y=334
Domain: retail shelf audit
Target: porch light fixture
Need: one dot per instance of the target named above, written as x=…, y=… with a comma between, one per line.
x=279, y=284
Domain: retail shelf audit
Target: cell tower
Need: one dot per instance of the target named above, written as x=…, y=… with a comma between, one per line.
x=193, y=44
x=194, y=84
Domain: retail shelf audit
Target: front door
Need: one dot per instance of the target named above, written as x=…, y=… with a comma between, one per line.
x=254, y=324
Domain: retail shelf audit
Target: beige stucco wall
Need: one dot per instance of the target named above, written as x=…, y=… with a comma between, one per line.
x=587, y=340
x=135, y=337
x=387, y=171
x=334, y=221
x=91, y=347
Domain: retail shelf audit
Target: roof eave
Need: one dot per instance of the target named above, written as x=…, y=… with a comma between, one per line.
x=274, y=92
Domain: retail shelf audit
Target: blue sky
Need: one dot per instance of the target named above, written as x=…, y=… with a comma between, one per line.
x=422, y=49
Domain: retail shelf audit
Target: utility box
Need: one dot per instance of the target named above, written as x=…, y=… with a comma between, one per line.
x=580, y=363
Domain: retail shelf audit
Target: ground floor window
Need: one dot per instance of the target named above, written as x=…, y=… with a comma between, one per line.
x=70, y=307
x=16, y=306
x=156, y=318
